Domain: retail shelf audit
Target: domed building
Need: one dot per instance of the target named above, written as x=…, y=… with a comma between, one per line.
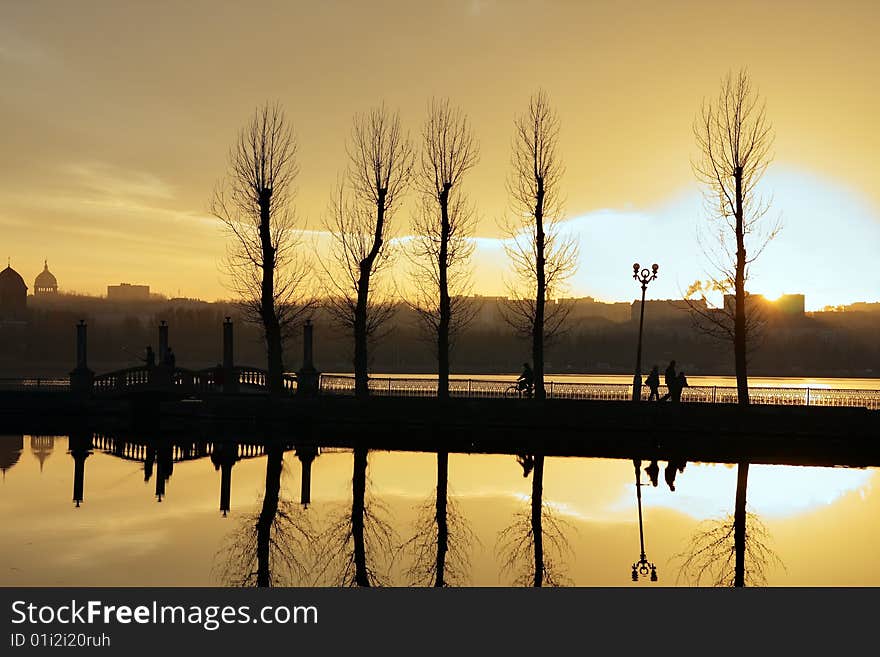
x=45, y=283
x=41, y=447
x=10, y=451
x=13, y=295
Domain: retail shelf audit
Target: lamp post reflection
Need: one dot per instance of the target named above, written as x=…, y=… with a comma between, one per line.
x=642, y=567
x=644, y=277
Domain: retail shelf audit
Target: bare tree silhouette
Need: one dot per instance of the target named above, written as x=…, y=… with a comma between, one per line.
x=533, y=548
x=440, y=247
x=272, y=547
x=441, y=544
x=254, y=203
x=711, y=555
x=379, y=172
x=358, y=545
x=734, y=138
x=542, y=258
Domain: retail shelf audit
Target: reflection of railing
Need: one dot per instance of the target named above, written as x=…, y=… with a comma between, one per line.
x=178, y=451
x=29, y=384
x=482, y=388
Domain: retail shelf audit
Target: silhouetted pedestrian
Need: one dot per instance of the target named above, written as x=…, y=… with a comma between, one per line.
x=679, y=384
x=670, y=471
x=669, y=379
x=653, y=383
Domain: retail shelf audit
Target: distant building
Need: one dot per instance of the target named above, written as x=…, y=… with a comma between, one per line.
x=128, y=292
x=487, y=311
x=667, y=310
x=13, y=295
x=45, y=283
x=581, y=308
x=790, y=304
x=11, y=448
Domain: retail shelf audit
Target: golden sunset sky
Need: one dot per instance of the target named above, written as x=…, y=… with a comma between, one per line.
x=117, y=117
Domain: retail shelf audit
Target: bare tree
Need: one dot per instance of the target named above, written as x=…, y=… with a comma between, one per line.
x=357, y=546
x=441, y=248
x=534, y=546
x=542, y=258
x=441, y=544
x=379, y=172
x=711, y=554
x=734, y=138
x=254, y=202
x=274, y=546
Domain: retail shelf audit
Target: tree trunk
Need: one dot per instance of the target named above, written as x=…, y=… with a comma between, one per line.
x=268, y=313
x=739, y=320
x=274, y=460
x=742, y=382
x=358, y=491
x=540, y=295
x=445, y=304
x=361, y=325
x=537, y=528
x=441, y=515
x=361, y=362
x=739, y=524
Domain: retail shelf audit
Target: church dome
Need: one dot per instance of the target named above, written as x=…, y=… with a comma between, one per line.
x=45, y=283
x=13, y=295
x=11, y=280
x=10, y=451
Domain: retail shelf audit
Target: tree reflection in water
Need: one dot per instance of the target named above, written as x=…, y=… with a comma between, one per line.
x=711, y=556
x=273, y=546
x=441, y=544
x=532, y=549
x=357, y=546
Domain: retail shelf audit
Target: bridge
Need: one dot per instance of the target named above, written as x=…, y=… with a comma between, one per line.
x=793, y=425
x=182, y=383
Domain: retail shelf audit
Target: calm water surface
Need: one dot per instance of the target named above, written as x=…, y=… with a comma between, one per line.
x=821, y=522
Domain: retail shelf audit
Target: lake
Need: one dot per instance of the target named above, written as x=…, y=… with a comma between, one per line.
x=818, y=524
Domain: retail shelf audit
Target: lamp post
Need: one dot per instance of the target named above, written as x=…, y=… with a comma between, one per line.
x=642, y=567
x=643, y=276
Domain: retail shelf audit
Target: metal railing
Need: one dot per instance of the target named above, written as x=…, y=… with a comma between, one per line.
x=30, y=384
x=482, y=388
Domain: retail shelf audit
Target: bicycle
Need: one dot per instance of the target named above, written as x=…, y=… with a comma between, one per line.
x=515, y=390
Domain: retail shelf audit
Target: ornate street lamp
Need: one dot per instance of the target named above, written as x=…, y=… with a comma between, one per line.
x=644, y=277
x=642, y=567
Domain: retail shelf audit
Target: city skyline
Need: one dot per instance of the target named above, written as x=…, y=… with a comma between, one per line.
x=125, y=172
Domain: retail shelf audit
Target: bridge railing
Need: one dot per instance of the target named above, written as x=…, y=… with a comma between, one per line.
x=30, y=384
x=484, y=388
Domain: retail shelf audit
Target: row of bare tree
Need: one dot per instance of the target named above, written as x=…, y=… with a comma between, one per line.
x=255, y=204
x=276, y=281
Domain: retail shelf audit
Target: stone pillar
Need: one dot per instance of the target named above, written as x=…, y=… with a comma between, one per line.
x=80, y=444
x=307, y=379
x=163, y=342
x=228, y=352
x=82, y=378
x=306, y=454
x=229, y=373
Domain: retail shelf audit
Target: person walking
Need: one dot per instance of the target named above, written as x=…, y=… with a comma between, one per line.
x=653, y=383
x=669, y=379
x=681, y=383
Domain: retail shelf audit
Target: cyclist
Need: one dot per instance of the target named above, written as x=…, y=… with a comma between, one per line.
x=526, y=380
